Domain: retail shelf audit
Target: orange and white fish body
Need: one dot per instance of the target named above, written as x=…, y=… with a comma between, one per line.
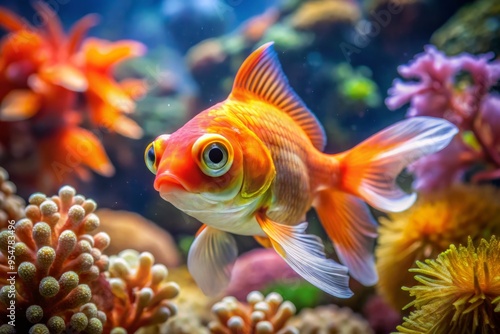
x=252, y=165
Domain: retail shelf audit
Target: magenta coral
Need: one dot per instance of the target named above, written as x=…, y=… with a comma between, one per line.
x=457, y=89
x=256, y=270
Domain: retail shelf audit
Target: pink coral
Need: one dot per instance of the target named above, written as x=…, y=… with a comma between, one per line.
x=457, y=89
x=257, y=269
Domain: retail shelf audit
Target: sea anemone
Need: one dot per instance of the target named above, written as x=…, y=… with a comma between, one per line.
x=50, y=84
x=56, y=261
x=330, y=319
x=141, y=292
x=11, y=205
x=428, y=228
x=459, y=292
x=261, y=315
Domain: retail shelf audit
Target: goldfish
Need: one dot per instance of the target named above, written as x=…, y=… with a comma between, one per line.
x=253, y=165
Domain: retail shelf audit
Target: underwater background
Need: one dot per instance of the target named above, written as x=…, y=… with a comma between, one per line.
x=86, y=86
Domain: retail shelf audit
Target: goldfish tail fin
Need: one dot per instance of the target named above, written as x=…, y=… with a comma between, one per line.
x=304, y=253
x=369, y=170
x=352, y=229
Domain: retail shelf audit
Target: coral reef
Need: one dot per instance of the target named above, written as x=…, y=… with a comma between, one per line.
x=296, y=27
x=320, y=14
x=11, y=205
x=474, y=28
x=260, y=315
x=56, y=261
x=141, y=293
x=120, y=225
x=330, y=319
x=457, y=89
x=51, y=84
x=428, y=228
x=459, y=292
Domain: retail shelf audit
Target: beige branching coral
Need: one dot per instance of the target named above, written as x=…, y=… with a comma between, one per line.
x=11, y=205
x=193, y=306
x=141, y=292
x=459, y=292
x=55, y=260
x=433, y=223
x=330, y=319
x=262, y=315
x=54, y=271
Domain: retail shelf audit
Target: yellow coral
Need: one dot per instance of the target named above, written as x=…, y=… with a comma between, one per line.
x=428, y=228
x=459, y=292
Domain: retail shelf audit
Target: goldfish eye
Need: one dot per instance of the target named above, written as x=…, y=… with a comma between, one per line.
x=214, y=154
x=150, y=158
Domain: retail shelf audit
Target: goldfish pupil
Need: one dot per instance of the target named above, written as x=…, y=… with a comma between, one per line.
x=151, y=154
x=216, y=155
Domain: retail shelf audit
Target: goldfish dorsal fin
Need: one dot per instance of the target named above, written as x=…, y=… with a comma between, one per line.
x=261, y=76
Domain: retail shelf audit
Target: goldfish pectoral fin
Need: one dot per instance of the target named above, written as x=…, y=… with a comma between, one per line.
x=351, y=227
x=305, y=254
x=211, y=258
x=370, y=169
x=263, y=241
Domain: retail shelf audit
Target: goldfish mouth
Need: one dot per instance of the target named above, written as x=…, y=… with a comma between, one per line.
x=167, y=182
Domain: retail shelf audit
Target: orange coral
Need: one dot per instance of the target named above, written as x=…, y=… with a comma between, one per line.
x=52, y=82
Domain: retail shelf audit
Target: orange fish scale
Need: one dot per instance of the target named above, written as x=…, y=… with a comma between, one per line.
x=292, y=154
